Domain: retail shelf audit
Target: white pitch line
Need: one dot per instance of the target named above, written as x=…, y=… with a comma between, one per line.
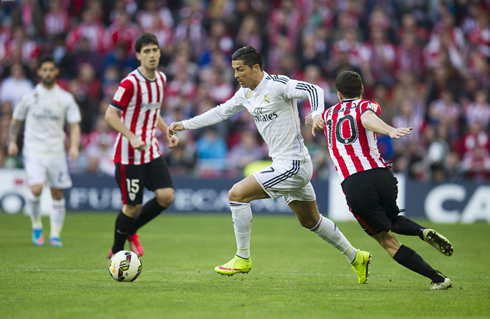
x=212, y=272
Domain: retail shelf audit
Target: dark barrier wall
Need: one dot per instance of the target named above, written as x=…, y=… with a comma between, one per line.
x=445, y=203
x=191, y=195
x=442, y=203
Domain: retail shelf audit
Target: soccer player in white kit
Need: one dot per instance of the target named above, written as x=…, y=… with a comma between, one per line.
x=271, y=99
x=45, y=110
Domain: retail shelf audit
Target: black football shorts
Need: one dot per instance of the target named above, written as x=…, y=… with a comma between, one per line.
x=371, y=196
x=132, y=179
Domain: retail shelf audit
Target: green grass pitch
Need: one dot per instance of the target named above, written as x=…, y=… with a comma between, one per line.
x=295, y=274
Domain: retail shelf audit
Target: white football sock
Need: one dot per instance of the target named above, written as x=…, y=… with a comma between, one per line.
x=35, y=211
x=329, y=232
x=57, y=217
x=242, y=222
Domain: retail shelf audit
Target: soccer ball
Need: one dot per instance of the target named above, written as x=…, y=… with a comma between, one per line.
x=125, y=266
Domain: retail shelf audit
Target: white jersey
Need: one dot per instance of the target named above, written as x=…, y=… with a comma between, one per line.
x=45, y=112
x=274, y=108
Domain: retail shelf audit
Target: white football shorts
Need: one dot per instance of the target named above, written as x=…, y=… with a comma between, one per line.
x=288, y=178
x=54, y=171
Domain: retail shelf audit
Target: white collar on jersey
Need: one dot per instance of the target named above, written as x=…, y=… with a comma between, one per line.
x=39, y=86
x=260, y=85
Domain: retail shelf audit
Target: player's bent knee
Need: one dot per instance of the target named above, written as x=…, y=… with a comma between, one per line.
x=165, y=202
x=165, y=198
x=235, y=194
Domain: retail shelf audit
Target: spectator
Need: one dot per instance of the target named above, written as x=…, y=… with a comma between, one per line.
x=14, y=86
x=122, y=30
x=98, y=144
x=245, y=152
x=377, y=58
x=409, y=57
x=91, y=86
x=151, y=16
x=182, y=159
x=89, y=28
x=86, y=56
x=22, y=49
x=211, y=154
x=445, y=111
x=29, y=16
x=250, y=33
x=56, y=20
x=479, y=110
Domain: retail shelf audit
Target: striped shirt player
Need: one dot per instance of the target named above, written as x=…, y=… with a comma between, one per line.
x=369, y=186
x=272, y=102
x=135, y=114
x=139, y=101
x=351, y=146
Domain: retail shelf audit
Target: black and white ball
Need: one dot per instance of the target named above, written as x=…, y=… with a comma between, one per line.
x=125, y=266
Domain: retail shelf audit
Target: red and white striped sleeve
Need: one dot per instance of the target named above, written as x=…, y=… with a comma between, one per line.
x=370, y=106
x=123, y=95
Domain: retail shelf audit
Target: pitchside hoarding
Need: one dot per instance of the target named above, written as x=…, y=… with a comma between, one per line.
x=442, y=203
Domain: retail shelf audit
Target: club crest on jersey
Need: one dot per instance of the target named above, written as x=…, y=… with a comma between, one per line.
x=119, y=94
x=132, y=196
x=266, y=99
x=372, y=106
x=249, y=94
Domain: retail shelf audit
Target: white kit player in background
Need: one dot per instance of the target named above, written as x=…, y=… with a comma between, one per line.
x=45, y=110
x=272, y=101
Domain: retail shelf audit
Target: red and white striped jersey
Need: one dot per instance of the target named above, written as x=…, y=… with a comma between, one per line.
x=139, y=101
x=352, y=147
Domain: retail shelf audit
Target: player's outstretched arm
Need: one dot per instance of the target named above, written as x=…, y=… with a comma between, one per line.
x=372, y=122
x=14, y=129
x=113, y=118
x=174, y=127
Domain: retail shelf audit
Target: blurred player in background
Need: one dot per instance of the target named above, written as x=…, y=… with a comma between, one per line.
x=271, y=99
x=45, y=110
x=367, y=181
x=135, y=113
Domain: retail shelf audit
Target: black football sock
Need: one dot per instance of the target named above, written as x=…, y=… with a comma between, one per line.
x=149, y=211
x=407, y=257
x=404, y=226
x=121, y=232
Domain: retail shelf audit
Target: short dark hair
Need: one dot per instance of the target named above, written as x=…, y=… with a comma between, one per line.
x=46, y=58
x=249, y=55
x=146, y=39
x=349, y=84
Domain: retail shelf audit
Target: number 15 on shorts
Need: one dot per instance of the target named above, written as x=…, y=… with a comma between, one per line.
x=133, y=185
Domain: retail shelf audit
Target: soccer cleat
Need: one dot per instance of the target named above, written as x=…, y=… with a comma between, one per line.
x=236, y=265
x=440, y=242
x=38, y=237
x=110, y=253
x=447, y=283
x=134, y=245
x=55, y=242
x=361, y=265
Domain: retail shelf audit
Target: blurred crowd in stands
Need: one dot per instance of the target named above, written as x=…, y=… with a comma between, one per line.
x=426, y=62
